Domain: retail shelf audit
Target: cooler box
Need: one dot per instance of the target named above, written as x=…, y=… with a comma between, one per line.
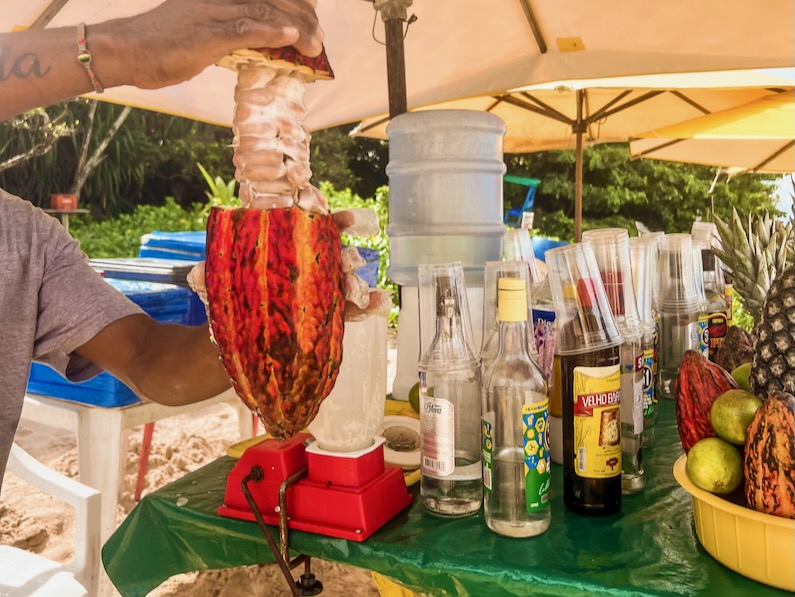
x=166, y=303
x=150, y=269
x=186, y=246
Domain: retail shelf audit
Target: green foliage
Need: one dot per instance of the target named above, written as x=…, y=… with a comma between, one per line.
x=618, y=191
x=121, y=236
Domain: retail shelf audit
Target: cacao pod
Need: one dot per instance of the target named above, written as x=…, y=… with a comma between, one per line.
x=769, y=465
x=274, y=288
x=737, y=348
x=698, y=384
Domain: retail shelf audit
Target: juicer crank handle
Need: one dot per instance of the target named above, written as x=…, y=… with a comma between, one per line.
x=256, y=474
x=283, y=518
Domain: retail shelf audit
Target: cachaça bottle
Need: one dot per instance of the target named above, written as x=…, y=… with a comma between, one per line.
x=588, y=343
x=515, y=407
x=451, y=479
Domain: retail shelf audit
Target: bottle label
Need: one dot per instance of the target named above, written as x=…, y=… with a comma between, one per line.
x=488, y=449
x=655, y=359
x=702, y=338
x=729, y=294
x=437, y=434
x=597, y=422
x=648, y=383
x=718, y=325
x=535, y=422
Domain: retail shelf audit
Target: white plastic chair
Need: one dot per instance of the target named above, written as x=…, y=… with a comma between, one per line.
x=23, y=573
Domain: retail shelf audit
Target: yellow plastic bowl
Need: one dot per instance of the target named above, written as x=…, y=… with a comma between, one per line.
x=757, y=545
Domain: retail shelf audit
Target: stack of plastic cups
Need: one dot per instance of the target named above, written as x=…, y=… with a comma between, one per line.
x=680, y=309
x=588, y=344
x=643, y=257
x=611, y=248
x=491, y=325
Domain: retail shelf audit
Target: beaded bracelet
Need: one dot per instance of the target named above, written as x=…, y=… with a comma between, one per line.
x=84, y=57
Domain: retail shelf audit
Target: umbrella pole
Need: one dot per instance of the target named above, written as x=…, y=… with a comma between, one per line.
x=579, y=130
x=394, y=14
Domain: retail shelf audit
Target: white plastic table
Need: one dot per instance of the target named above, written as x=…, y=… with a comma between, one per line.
x=102, y=437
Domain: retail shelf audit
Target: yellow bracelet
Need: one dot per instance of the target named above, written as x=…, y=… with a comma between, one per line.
x=84, y=57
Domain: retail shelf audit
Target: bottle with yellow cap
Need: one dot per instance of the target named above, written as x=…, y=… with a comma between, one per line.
x=515, y=412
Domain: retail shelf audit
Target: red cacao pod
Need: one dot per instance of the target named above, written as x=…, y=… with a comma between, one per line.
x=769, y=465
x=274, y=287
x=698, y=384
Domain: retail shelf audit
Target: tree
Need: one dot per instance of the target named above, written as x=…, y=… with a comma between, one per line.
x=618, y=191
x=31, y=135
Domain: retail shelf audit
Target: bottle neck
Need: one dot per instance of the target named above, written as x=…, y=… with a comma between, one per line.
x=513, y=337
x=450, y=338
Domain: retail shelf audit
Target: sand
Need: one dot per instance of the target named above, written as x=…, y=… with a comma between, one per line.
x=37, y=522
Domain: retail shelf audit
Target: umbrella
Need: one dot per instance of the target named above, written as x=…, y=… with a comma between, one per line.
x=464, y=48
x=756, y=137
x=571, y=114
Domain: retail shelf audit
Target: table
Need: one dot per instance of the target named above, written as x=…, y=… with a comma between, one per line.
x=649, y=549
x=63, y=215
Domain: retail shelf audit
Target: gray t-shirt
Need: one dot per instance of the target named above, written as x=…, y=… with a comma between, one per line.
x=51, y=303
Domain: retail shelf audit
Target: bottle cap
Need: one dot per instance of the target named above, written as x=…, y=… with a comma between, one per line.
x=512, y=300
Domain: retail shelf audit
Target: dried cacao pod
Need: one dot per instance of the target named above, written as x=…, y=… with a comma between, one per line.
x=274, y=287
x=698, y=384
x=737, y=348
x=769, y=465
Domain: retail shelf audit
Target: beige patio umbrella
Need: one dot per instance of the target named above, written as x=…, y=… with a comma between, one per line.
x=465, y=48
x=572, y=114
x=756, y=137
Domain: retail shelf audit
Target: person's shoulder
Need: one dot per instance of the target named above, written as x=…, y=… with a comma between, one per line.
x=19, y=213
x=14, y=207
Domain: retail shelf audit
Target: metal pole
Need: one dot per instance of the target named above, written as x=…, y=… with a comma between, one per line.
x=579, y=131
x=394, y=13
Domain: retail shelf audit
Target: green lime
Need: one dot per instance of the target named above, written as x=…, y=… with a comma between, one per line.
x=731, y=413
x=414, y=397
x=715, y=465
x=742, y=376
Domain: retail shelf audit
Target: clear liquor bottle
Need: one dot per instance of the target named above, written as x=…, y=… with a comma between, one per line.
x=515, y=406
x=451, y=479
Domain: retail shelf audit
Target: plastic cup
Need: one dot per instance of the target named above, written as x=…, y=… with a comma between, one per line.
x=517, y=246
x=491, y=326
x=677, y=275
x=583, y=316
x=643, y=259
x=611, y=249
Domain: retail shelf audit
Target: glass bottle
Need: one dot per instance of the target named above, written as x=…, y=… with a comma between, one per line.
x=515, y=407
x=588, y=344
x=611, y=248
x=643, y=256
x=451, y=478
x=703, y=316
x=717, y=308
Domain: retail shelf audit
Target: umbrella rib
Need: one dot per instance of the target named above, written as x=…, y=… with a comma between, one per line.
x=658, y=147
x=533, y=22
x=374, y=124
x=774, y=156
x=539, y=107
x=48, y=14
x=687, y=100
x=605, y=111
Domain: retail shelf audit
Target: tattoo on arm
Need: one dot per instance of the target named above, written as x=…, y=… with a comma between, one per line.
x=23, y=66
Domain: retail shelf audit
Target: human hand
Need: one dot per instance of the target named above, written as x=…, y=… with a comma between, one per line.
x=179, y=38
x=360, y=299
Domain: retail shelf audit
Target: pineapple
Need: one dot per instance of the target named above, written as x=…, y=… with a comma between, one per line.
x=760, y=254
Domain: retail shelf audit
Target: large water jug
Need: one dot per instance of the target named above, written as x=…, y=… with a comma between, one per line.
x=445, y=204
x=445, y=191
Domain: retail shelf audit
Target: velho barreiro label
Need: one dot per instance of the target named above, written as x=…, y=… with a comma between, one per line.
x=718, y=325
x=597, y=422
x=487, y=439
x=437, y=436
x=535, y=422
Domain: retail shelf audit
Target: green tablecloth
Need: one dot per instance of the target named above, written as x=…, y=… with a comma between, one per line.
x=649, y=549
